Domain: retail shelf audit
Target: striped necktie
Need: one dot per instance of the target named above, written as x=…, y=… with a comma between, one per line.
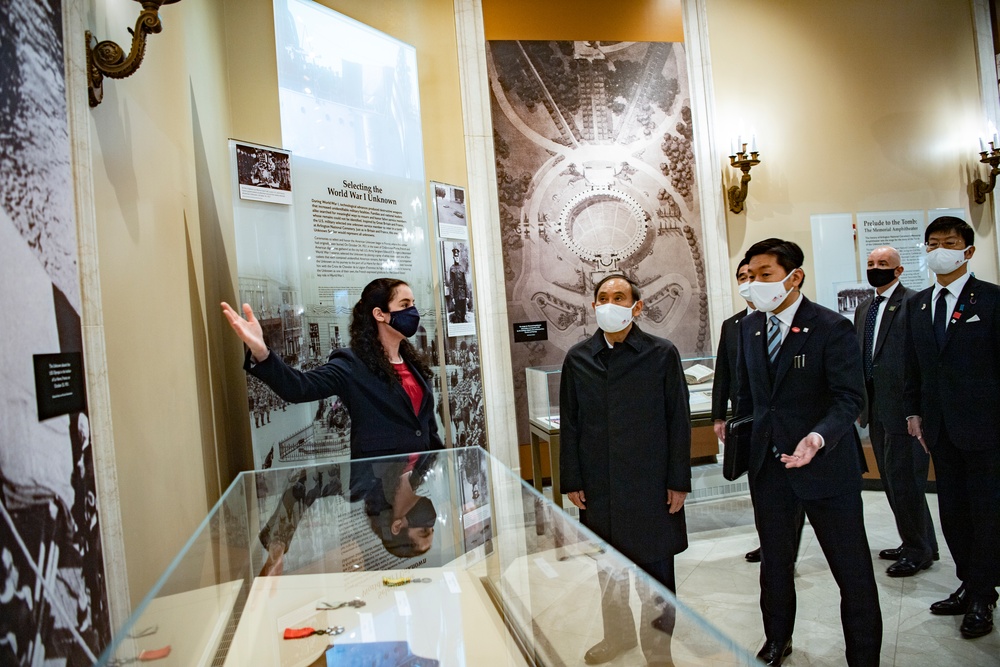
x=773, y=338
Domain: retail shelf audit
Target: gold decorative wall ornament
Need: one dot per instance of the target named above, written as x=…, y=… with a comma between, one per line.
x=989, y=157
x=108, y=59
x=742, y=160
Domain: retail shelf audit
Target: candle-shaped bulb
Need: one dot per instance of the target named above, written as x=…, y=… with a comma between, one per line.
x=753, y=143
x=982, y=145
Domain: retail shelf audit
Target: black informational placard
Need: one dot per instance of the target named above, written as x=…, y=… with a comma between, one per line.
x=525, y=332
x=59, y=384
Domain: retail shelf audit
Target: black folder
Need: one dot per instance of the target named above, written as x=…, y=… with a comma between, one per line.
x=736, y=454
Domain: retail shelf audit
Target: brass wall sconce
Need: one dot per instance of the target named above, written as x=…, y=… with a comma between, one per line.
x=108, y=59
x=991, y=157
x=742, y=160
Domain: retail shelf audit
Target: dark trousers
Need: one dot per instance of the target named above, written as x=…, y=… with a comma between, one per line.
x=839, y=525
x=902, y=465
x=968, y=488
x=657, y=615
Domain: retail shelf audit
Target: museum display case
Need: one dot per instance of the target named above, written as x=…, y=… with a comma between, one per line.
x=543, y=390
x=445, y=558
x=543, y=395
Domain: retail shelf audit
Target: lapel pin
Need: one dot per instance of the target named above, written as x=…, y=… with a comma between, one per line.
x=923, y=306
x=757, y=334
x=806, y=330
x=892, y=308
x=972, y=297
x=795, y=329
x=955, y=315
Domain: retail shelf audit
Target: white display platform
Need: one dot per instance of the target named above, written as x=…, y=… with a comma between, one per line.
x=437, y=619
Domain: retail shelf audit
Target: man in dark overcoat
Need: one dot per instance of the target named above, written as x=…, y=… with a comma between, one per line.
x=626, y=460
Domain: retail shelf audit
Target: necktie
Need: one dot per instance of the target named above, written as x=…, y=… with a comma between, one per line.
x=773, y=338
x=870, y=334
x=940, y=318
x=773, y=345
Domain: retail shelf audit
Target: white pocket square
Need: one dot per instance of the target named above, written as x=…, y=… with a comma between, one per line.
x=974, y=318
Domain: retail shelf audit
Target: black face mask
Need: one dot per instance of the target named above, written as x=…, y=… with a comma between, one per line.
x=422, y=515
x=405, y=321
x=881, y=277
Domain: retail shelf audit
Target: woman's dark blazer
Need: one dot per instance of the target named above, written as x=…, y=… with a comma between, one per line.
x=382, y=418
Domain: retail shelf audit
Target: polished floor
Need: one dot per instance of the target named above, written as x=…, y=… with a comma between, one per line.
x=715, y=580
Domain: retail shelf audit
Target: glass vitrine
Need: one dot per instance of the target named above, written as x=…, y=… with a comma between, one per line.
x=438, y=559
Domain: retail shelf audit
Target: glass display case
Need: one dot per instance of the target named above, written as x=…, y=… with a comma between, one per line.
x=543, y=395
x=700, y=375
x=445, y=558
x=543, y=390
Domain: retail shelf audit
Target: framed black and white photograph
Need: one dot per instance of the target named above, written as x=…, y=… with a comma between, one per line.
x=849, y=295
x=264, y=173
x=456, y=277
x=449, y=211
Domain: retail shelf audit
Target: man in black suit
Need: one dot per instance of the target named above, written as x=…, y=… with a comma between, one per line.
x=724, y=385
x=801, y=379
x=880, y=322
x=952, y=400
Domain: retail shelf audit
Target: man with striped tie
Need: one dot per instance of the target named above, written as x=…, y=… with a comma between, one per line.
x=801, y=379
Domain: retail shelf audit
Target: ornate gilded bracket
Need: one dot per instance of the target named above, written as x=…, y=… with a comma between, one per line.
x=108, y=59
x=980, y=187
x=738, y=195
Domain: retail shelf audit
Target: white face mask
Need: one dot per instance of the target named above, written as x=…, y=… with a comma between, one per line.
x=768, y=296
x=612, y=318
x=945, y=260
x=745, y=291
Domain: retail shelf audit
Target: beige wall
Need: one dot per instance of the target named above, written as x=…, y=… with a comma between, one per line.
x=160, y=177
x=858, y=105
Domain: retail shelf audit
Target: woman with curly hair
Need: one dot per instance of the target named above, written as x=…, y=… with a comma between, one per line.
x=381, y=379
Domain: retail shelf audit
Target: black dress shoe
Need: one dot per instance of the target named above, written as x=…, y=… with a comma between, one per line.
x=753, y=556
x=978, y=620
x=775, y=652
x=890, y=554
x=956, y=604
x=904, y=567
x=894, y=554
x=606, y=651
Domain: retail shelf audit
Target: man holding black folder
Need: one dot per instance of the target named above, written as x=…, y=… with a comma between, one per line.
x=801, y=380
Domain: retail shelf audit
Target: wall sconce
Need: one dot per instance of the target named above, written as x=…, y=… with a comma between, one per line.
x=738, y=157
x=108, y=59
x=991, y=157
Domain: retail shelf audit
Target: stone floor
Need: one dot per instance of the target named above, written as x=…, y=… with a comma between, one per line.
x=715, y=580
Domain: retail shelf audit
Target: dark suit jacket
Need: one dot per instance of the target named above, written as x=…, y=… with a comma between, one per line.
x=888, y=360
x=625, y=439
x=957, y=388
x=382, y=417
x=724, y=385
x=825, y=396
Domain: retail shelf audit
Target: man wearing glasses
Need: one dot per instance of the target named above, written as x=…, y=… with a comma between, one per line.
x=952, y=399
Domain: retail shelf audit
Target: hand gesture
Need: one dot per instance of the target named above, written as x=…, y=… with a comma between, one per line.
x=248, y=330
x=804, y=451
